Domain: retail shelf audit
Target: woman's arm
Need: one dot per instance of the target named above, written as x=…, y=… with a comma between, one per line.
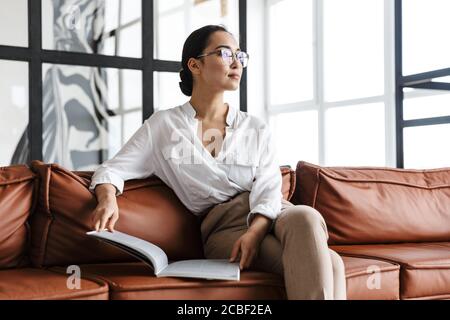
x=106, y=213
x=266, y=195
x=265, y=203
x=105, y=192
x=260, y=225
x=133, y=161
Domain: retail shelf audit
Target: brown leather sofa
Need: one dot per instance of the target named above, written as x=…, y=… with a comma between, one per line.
x=391, y=226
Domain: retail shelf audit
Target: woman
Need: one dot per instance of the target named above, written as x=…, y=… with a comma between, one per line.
x=221, y=164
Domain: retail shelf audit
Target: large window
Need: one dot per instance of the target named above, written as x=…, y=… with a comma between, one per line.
x=328, y=77
x=84, y=74
x=174, y=21
x=14, y=108
x=423, y=83
x=346, y=102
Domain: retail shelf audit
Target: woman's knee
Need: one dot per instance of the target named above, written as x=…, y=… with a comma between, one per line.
x=304, y=217
x=338, y=263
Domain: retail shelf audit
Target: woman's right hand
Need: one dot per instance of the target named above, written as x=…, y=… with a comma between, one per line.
x=105, y=215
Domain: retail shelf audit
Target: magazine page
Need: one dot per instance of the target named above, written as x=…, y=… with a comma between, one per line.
x=203, y=268
x=154, y=253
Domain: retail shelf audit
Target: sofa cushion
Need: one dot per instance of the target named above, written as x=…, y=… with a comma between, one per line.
x=17, y=184
x=148, y=210
x=136, y=281
x=363, y=205
x=40, y=284
x=425, y=267
x=370, y=279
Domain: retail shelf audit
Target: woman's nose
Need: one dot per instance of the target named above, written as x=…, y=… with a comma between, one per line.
x=236, y=64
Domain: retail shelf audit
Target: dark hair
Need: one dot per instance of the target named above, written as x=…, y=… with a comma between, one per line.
x=193, y=47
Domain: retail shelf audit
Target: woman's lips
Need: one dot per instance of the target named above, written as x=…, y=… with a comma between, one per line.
x=235, y=77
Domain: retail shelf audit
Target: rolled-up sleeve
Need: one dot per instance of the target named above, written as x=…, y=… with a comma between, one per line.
x=133, y=161
x=266, y=195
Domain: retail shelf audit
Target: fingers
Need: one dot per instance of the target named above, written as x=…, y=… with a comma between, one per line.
x=97, y=225
x=113, y=221
x=244, y=258
x=235, y=250
x=103, y=221
x=247, y=258
x=248, y=262
x=248, y=255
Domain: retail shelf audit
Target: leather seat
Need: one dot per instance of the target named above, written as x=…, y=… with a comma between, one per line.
x=424, y=267
x=135, y=280
x=41, y=284
x=358, y=272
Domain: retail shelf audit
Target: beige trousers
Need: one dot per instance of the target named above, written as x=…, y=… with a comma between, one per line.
x=296, y=248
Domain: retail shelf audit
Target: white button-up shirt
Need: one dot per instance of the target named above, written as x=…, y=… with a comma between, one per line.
x=167, y=145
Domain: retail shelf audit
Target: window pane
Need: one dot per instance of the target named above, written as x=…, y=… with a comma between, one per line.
x=425, y=35
x=427, y=147
x=132, y=122
x=353, y=49
x=436, y=104
x=110, y=27
x=174, y=23
x=296, y=137
x=291, y=58
x=131, y=82
x=78, y=120
x=167, y=91
x=14, y=17
x=164, y=6
x=14, y=111
x=355, y=135
x=130, y=39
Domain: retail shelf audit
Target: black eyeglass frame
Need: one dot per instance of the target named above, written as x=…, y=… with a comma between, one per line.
x=220, y=51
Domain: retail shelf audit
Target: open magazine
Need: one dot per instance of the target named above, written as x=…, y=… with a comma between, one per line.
x=156, y=258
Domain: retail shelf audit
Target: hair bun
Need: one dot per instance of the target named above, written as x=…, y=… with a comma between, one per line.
x=182, y=75
x=186, y=84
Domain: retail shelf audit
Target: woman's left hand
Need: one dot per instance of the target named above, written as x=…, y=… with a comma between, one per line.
x=248, y=246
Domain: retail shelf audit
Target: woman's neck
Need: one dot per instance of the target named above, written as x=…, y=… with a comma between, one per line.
x=209, y=107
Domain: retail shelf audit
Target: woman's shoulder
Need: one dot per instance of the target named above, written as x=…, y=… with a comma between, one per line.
x=248, y=120
x=164, y=115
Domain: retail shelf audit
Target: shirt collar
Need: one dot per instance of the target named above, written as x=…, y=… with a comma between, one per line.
x=190, y=112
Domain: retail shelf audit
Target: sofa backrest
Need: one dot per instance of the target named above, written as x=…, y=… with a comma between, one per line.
x=377, y=205
x=16, y=203
x=288, y=182
x=148, y=209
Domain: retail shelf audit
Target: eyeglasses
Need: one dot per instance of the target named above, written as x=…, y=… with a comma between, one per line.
x=228, y=56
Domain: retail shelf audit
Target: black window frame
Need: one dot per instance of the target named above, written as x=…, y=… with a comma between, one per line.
x=36, y=56
x=422, y=80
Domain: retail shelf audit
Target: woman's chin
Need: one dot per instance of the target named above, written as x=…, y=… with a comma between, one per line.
x=232, y=87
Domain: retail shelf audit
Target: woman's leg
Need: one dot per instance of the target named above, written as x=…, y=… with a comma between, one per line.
x=340, y=286
x=223, y=225
x=298, y=241
x=306, y=259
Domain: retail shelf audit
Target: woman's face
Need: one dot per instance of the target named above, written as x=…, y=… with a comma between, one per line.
x=212, y=71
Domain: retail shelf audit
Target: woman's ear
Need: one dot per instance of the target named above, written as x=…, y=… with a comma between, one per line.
x=193, y=65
